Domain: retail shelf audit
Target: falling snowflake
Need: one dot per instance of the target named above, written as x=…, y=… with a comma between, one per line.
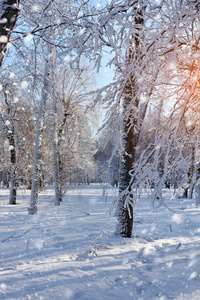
x=177, y=218
x=12, y=75
x=3, y=39
x=16, y=99
x=3, y=21
x=35, y=8
x=28, y=38
x=67, y=58
x=193, y=275
x=3, y=286
x=7, y=122
x=24, y=84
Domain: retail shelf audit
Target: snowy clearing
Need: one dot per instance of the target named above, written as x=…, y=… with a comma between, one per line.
x=59, y=253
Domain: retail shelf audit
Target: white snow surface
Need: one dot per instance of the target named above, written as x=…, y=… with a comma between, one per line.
x=62, y=253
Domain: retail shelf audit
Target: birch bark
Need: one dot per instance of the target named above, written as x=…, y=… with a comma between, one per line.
x=37, y=154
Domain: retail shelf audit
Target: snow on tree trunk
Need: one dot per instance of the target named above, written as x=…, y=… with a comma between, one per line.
x=197, y=191
x=125, y=205
x=189, y=187
x=59, y=142
x=37, y=155
x=58, y=196
x=197, y=173
x=157, y=194
x=197, y=187
x=59, y=134
x=13, y=187
x=130, y=123
x=8, y=15
x=190, y=191
x=192, y=174
x=13, y=190
x=12, y=149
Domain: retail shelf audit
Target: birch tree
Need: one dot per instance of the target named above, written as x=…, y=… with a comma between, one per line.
x=58, y=192
x=35, y=181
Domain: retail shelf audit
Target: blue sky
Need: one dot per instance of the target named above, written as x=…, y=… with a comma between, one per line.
x=105, y=74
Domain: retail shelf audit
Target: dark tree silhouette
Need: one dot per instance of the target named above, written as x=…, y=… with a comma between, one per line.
x=8, y=15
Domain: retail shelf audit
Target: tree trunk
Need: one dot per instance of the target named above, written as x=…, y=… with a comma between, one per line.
x=188, y=190
x=13, y=185
x=59, y=144
x=12, y=148
x=6, y=176
x=192, y=174
x=191, y=190
x=8, y=15
x=59, y=134
x=58, y=194
x=197, y=191
x=130, y=121
x=125, y=205
x=38, y=143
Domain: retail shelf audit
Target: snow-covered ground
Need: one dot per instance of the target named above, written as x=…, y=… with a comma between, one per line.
x=70, y=252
